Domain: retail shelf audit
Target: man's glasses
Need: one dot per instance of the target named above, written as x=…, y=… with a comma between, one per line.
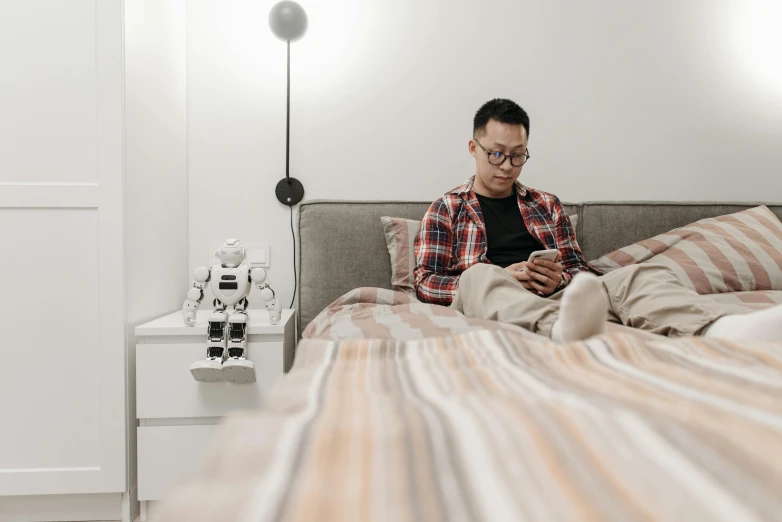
x=498, y=158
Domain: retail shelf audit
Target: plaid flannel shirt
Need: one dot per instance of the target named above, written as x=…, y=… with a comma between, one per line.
x=453, y=238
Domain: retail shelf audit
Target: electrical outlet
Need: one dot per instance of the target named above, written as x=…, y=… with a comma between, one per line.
x=258, y=256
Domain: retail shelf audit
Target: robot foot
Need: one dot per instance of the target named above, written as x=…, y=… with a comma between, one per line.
x=239, y=371
x=208, y=370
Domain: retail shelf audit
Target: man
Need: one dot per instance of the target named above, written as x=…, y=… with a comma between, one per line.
x=474, y=243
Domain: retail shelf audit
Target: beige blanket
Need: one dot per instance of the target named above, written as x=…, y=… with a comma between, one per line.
x=492, y=425
x=375, y=313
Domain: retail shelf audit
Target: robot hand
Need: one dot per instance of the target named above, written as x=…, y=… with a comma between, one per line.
x=274, y=308
x=195, y=295
x=261, y=279
x=190, y=306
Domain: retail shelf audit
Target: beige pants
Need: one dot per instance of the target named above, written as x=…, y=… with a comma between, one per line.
x=647, y=296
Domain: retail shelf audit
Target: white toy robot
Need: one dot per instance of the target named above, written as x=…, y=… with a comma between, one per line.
x=226, y=345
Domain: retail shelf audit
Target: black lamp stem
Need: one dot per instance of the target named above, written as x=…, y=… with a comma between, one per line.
x=289, y=190
x=288, y=120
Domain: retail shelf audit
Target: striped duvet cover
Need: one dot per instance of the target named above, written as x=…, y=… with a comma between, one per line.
x=376, y=313
x=493, y=425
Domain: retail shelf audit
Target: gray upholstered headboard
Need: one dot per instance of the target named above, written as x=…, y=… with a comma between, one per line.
x=342, y=245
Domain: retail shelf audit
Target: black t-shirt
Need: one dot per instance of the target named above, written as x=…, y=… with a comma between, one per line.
x=507, y=236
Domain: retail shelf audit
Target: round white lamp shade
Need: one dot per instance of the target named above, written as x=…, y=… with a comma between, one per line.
x=288, y=21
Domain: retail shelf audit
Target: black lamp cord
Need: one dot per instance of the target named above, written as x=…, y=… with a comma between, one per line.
x=287, y=170
x=295, y=279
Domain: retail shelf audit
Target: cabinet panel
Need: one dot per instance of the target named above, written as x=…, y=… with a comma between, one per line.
x=165, y=387
x=48, y=126
x=48, y=390
x=167, y=454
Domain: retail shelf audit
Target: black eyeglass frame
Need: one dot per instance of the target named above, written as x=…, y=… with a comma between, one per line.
x=504, y=156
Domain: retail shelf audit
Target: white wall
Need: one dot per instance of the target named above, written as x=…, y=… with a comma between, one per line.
x=155, y=173
x=663, y=100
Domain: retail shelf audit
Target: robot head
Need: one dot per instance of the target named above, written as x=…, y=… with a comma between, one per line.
x=231, y=254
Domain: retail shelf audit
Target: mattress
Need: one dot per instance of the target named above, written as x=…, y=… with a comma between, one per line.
x=493, y=424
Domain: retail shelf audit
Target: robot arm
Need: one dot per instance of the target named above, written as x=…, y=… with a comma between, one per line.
x=195, y=295
x=261, y=280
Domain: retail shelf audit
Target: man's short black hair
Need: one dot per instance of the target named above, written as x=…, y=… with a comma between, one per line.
x=502, y=110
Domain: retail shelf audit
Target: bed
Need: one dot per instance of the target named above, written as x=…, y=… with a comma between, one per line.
x=395, y=410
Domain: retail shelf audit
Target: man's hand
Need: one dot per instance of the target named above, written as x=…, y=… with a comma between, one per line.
x=545, y=275
x=517, y=270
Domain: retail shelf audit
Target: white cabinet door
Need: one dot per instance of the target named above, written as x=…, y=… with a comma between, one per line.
x=62, y=350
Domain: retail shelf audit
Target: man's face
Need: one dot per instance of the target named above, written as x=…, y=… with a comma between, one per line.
x=496, y=181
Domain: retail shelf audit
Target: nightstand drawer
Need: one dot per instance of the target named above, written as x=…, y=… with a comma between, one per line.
x=167, y=455
x=166, y=389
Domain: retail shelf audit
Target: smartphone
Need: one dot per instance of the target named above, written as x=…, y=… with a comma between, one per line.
x=548, y=255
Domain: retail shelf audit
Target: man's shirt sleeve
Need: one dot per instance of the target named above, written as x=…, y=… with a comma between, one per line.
x=433, y=252
x=572, y=259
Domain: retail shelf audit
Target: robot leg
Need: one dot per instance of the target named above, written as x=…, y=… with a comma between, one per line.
x=237, y=368
x=211, y=368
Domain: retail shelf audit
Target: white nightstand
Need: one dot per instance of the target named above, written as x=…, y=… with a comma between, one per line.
x=177, y=414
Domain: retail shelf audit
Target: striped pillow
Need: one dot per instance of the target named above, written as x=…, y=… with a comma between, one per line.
x=400, y=236
x=738, y=252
